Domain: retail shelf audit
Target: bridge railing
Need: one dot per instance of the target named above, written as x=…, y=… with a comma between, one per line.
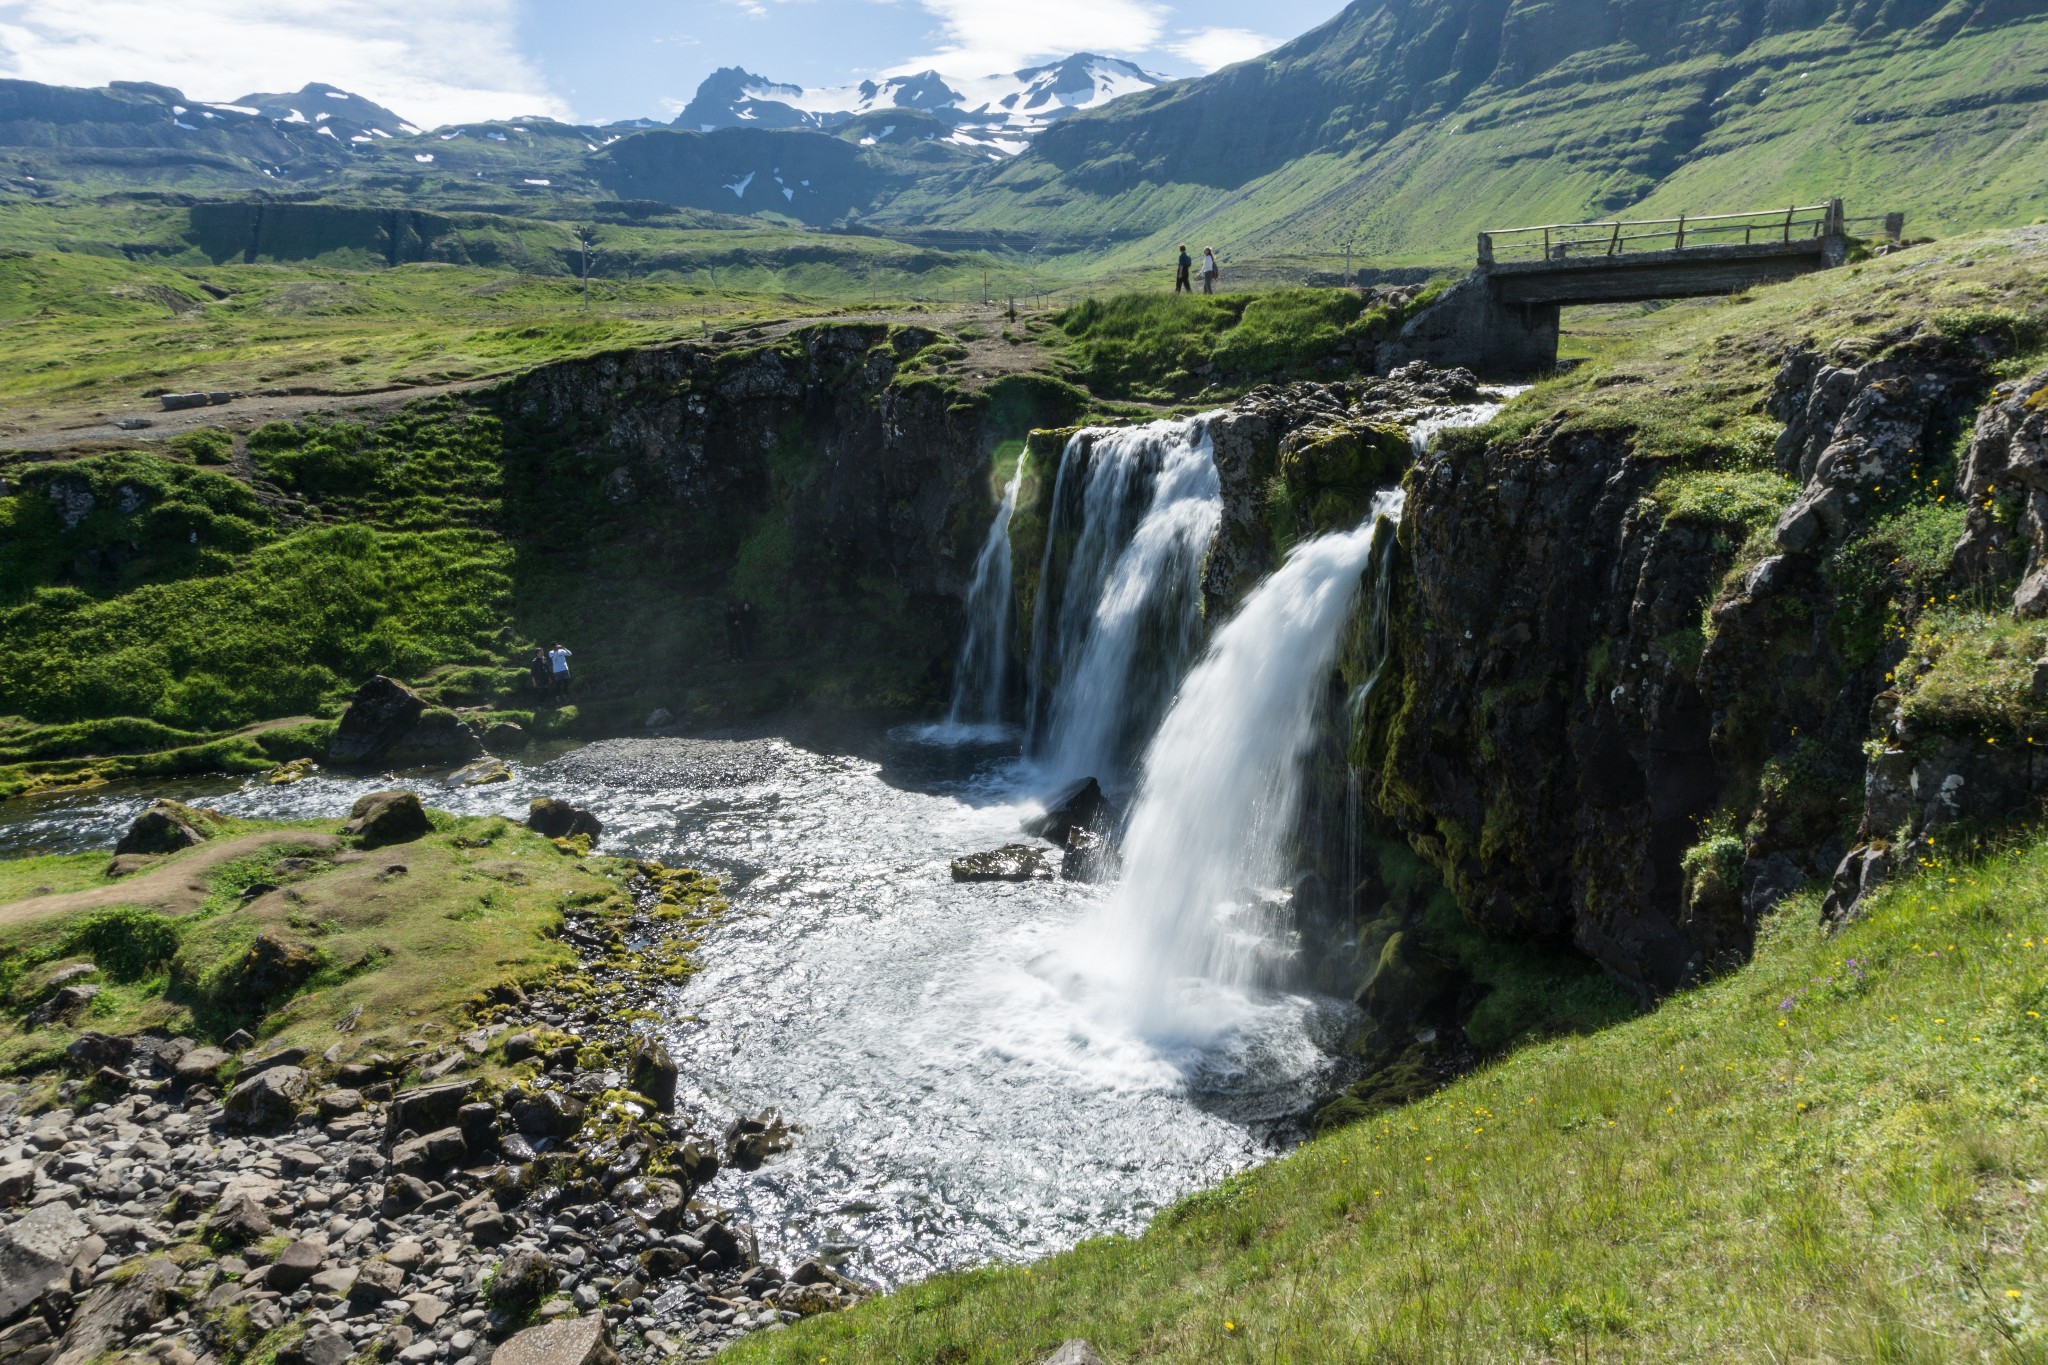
x=1617, y=237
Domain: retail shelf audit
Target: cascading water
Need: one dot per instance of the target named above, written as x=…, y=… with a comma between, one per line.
x=1195, y=919
x=981, y=682
x=1119, y=615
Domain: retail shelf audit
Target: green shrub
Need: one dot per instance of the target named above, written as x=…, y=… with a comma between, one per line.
x=127, y=943
x=205, y=447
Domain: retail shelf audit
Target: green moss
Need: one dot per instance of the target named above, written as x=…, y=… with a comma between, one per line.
x=1750, y=500
x=211, y=446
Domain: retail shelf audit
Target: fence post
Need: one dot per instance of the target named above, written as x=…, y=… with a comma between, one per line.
x=1681, y=233
x=1486, y=248
x=1614, y=242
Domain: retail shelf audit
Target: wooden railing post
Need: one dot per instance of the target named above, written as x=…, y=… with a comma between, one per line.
x=1486, y=248
x=1681, y=233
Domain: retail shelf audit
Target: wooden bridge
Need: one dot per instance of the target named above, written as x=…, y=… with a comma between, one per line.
x=1503, y=318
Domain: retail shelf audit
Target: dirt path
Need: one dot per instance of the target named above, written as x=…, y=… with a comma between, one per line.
x=177, y=887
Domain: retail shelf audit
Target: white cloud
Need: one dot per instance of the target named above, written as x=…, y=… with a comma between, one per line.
x=1210, y=48
x=983, y=36
x=434, y=61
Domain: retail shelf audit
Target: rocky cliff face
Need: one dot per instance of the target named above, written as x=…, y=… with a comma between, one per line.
x=812, y=478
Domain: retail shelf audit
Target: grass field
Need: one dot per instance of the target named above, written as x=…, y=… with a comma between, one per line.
x=1833, y=1154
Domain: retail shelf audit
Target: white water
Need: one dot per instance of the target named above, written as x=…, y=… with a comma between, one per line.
x=982, y=680
x=1198, y=917
x=1111, y=639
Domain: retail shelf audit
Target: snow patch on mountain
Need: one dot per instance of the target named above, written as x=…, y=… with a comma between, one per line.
x=1001, y=113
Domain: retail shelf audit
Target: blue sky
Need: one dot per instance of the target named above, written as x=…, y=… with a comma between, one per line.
x=445, y=61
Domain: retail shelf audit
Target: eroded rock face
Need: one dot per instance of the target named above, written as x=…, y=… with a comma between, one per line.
x=2005, y=479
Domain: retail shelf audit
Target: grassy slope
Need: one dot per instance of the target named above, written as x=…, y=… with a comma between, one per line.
x=1833, y=1154
x=477, y=904
x=1888, y=121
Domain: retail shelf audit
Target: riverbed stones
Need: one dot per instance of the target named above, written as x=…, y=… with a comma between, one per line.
x=1010, y=863
x=389, y=817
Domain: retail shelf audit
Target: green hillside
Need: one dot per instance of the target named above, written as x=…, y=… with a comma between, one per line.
x=1407, y=128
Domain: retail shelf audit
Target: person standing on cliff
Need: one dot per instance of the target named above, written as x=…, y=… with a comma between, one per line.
x=1181, y=283
x=1211, y=272
x=558, y=661
x=541, y=671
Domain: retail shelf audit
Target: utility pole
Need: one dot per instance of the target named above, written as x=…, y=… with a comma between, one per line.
x=586, y=238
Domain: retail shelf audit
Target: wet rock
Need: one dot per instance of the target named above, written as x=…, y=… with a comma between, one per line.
x=751, y=1141
x=522, y=1280
x=482, y=773
x=1011, y=863
x=1088, y=857
x=559, y=820
x=441, y=736
x=34, y=1253
x=380, y=713
x=168, y=827
x=1080, y=804
x=391, y=817
x=268, y=1100
x=653, y=1073
x=566, y=1341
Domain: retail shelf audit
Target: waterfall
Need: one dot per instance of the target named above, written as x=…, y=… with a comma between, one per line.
x=1208, y=839
x=981, y=681
x=1119, y=608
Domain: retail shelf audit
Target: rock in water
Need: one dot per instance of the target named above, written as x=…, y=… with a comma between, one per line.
x=439, y=737
x=559, y=820
x=387, y=818
x=566, y=1341
x=380, y=713
x=654, y=1074
x=1080, y=805
x=1088, y=857
x=168, y=827
x=1010, y=863
x=481, y=773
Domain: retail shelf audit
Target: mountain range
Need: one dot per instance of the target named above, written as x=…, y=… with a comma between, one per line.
x=1400, y=128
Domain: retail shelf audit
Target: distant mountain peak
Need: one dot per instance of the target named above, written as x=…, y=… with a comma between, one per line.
x=1000, y=114
x=319, y=102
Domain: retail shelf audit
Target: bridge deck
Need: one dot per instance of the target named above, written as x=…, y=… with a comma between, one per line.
x=1637, y=277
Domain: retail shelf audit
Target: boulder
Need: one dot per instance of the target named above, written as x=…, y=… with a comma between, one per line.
x=91, y=1051
x=321, y=1345
x=428, y=1108
x=202, y=1065
x=240, y=1218
x=63, y=1004
x=1080, y=804
x=268, y=1100
x=653, y=1073
x=506, y=734
x=35, y=1253
x=479, y=1125
x=296, y=1264
x=522, y=1280
x=546, y=1114
x=751, y=1141
x=1088, y=857
x=376, y=1281
x=17, y=1183
x=1010, y=863
x=119, y=1312
x=440, y=736
x=381, y=713
x=339, y=1103
x=169, y=827
x=481, y=773
x=437, y=1150
x=565, y=1341
x=554, y=819
x=393, y=817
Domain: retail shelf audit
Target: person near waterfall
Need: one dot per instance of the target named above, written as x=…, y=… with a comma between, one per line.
x=1183, y=268
x=1211, y=272
x=558, y=659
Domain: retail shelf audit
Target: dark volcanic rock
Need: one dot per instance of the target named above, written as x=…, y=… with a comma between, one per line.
x=1010, y=863
x=559, y=820
x=168, y=827
x=382, y=711
x=1081, y=805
